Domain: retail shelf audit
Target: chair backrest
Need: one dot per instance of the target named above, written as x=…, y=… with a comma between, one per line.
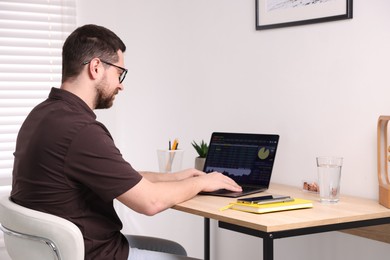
x=34, y=235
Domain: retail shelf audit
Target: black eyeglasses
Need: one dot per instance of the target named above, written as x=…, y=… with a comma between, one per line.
x=122, y=76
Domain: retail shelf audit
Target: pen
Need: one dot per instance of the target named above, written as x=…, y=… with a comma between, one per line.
x=175, y=144
x=226, y=207
x=171, y=147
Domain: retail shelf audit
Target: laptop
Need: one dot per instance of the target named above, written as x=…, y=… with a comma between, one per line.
x=246, y=158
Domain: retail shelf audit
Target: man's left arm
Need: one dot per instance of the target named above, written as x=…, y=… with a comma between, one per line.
x=176, y=176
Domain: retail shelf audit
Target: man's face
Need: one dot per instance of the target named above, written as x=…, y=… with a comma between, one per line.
x=109, y=85
x=105, y=95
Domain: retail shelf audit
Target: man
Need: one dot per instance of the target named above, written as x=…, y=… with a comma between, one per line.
x=67, y=164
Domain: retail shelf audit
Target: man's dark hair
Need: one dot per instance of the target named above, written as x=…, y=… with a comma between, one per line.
x=88, y=42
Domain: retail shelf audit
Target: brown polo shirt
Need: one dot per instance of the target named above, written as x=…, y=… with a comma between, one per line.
x=66, y=164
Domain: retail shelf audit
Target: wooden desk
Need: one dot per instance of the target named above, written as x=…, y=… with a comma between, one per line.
x=349, y=212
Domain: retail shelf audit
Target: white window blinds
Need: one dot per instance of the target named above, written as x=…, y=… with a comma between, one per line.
x=31, y=36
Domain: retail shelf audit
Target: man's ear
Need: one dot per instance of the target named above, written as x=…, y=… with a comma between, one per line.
x=95, y=69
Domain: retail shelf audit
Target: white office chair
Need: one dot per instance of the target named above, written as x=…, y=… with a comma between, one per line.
x=34, y=235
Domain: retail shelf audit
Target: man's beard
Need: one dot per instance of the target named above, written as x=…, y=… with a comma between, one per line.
x=103, y=99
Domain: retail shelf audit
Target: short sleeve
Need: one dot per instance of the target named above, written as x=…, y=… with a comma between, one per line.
x=94, y=161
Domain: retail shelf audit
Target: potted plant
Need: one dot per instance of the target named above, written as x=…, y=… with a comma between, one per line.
x=202, y=148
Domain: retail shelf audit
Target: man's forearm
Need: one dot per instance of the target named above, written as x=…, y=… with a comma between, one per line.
x=158, y=177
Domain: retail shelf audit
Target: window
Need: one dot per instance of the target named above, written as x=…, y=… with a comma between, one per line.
x=31, y=36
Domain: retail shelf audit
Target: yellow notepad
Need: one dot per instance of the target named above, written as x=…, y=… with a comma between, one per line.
x=271, y=207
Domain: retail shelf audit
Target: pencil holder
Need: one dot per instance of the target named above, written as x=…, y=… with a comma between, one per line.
x=170, y=160
x=383, y=161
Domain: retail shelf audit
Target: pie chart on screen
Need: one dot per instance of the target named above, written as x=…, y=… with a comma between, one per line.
x=263, y=153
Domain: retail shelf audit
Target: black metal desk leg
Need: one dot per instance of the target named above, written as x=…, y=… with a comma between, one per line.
x=206, y=239
x=268, y=248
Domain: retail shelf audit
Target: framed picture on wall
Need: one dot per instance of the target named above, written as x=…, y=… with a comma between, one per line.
x=282, y=13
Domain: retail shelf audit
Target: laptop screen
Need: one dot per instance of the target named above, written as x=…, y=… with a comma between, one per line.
x=246, y=158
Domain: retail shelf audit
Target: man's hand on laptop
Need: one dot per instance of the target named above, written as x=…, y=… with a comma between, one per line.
x=217, y=181
x=211, y=182
x=188, y=173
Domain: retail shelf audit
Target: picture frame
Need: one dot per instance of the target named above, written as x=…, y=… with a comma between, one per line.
x=283, y=13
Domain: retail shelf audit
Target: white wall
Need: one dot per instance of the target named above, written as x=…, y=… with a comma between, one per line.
x=200, y=66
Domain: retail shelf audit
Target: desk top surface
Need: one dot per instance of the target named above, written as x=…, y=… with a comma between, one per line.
x=346, y=210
